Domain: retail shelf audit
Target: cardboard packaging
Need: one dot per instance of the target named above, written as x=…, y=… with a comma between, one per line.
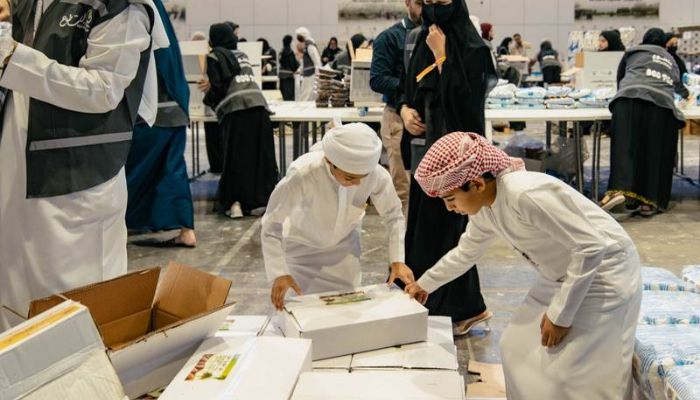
x=57, y=355
x=598, y=69
x=376, y=385
x=370, y=318
x=242, y=368
x=249, y=326
x=151, y=329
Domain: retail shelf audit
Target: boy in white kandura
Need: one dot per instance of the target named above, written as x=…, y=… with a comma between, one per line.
x=311, y=230
x=573, y=337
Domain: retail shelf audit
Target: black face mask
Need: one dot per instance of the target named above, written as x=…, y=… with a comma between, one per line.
x=672, y=49
x=437, y=13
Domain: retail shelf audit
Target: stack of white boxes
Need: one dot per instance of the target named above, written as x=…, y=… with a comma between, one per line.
x=373, y=343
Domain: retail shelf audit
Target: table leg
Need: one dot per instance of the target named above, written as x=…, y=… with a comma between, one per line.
x=579, y=156
x=597, y=138
x=682, y=155
x=283, y=149
x=315, y=136
x=198, y=168
x=548, y=132
x=192, y=127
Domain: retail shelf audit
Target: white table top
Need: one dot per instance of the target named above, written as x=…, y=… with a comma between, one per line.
x=289, y=111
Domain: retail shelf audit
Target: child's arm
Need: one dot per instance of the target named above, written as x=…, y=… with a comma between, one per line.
x=472, y=245
x=388, y=205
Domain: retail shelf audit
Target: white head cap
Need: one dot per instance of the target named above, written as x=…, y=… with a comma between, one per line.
x=303, y=32
x=354, y=148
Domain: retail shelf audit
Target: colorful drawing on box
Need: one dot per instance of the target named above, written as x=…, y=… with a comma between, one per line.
x=213, y=366
x=345, y=298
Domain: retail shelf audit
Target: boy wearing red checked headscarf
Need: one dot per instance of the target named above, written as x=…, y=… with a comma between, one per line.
x=573, y=337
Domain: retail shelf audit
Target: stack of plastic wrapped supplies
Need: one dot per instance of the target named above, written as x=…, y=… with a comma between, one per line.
x=598, y=98
x=502, y=96
x=691, y=275
x=557, y=98
x=530, y=98
x=668, y=337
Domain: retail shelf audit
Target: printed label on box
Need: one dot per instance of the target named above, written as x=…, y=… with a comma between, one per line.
x=345, y=298
x=213, y=366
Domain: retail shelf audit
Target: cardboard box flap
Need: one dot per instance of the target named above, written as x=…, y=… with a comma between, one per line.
x=153, y=361
x=110, y=300
x=311, y=312
x=185, y=292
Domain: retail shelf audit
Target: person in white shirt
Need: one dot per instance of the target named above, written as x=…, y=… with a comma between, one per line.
x=573, y=337
x=311, y=231
x=80, y=73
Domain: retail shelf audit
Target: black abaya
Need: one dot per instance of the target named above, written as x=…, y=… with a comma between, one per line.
x=450, y=101
x=215, y=151
x=644, y=140
x=250, y=168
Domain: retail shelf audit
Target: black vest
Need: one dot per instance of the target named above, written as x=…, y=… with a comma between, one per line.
x=243, y=91
x=309, y=68
x=69, y=151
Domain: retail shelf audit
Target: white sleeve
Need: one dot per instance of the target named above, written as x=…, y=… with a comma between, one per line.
x=558, y=214
x=97, y=85
x=315, y=56
x=388, y=204
x=284, y=198
x=472, y=245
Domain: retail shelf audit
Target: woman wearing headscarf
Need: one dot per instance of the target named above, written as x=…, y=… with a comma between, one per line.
x=644, y=128
x=269, y=63
x=343, y=61
x=573, y=337
x=250, y=169
x=610, y=41
x=504, y=48
x=672, y=48
x=311, y=60
x=448, y=77
x=549, y=63
x=288, y=67
x=156, y=174
x=330, y=51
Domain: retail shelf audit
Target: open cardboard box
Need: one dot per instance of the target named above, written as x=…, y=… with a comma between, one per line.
x=151, y=329
x=372, y=317
x=57, y=355
x=242, y=368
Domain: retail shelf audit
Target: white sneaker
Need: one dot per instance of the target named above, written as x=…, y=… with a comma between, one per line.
x=235, y=212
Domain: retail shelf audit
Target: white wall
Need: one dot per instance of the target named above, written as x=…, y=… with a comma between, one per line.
x=536, y=20
x=271, y=19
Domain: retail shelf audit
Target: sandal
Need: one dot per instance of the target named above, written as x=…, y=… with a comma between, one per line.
x=462, y=328
x=612, y=200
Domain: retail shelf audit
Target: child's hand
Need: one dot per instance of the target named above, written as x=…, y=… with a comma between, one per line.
x=552, y=335
x=417, y=292
x=280, y=288
x=401, y=271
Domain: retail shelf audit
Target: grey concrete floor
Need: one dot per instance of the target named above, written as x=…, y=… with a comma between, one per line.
x=232, y=249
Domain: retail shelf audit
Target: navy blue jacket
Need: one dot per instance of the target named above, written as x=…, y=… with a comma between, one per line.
x=388, y=61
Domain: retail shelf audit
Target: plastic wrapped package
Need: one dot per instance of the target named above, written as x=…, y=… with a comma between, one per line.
x=580, y=93
x=670, y=308
x=661, y=279
x=683, y=383
x=558, y=91
x=565, y=101
x=534, y=106
x=520, y=100
x=561, y=107
x=531, y=93
x=690, y=79
x=503, y=92
x=520, y=143
x=691, y=274
x=604, y=93
x=660, y=349
x=490, y=100
x=592, y=102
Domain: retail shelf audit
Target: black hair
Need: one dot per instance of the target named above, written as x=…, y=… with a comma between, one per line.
x=488, y=177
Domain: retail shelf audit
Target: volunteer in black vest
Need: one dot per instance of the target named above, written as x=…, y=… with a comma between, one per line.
x=644, y=129
x=80, y=74
x=250, y=169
